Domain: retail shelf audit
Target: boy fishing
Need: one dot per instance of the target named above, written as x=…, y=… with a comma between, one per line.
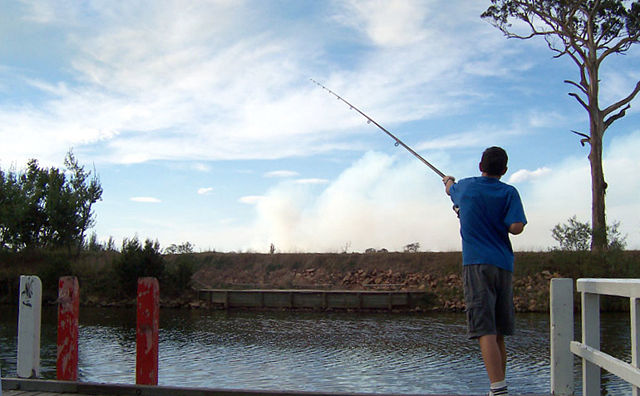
x=489, y=211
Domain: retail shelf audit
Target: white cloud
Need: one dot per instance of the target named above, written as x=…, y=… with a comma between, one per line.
x=145, y=199
x=205, y=190
x=281, y=173
x=200, y=167
x=251, y=199
x=378, y=202
x=478, y=137
x=179, y=87
x=522, y=175
x=539, y=119
x=312, y=181
x=382, y=202
x=566, y=192
x=616, y=85
x=387, y=22
x=156, y=80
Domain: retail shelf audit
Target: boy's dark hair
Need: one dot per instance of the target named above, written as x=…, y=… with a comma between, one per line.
x=494, y=161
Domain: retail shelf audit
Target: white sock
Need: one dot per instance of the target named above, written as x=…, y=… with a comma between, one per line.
x=499, y=389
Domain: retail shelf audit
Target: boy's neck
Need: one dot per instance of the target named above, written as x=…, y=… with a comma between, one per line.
x=485, y=174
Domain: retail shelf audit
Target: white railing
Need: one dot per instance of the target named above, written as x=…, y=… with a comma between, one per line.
x=563, y=347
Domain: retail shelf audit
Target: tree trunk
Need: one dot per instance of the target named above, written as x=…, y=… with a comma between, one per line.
x=598, y=190
x=597, y=129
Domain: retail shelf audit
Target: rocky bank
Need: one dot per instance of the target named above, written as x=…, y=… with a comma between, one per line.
x=531, y=291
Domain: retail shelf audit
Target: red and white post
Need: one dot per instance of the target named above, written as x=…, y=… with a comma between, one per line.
x=148, y=320
x=68, y=313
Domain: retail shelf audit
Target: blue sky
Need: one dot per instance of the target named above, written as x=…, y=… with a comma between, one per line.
x=202, y=124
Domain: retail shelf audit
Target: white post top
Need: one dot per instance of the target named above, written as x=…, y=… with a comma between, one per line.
x=611, y=287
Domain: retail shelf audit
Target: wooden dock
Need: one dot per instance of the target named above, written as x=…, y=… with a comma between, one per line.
x=35, y=387
x=319, y=300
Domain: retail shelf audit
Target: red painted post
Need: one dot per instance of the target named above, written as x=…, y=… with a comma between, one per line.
x=148, y=319
x=68, y=312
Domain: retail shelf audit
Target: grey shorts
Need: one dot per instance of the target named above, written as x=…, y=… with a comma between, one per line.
x=488, y=294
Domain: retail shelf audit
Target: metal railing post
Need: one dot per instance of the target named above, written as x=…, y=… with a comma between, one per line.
x=634, y=308
x=590, y=337
x=561, y=310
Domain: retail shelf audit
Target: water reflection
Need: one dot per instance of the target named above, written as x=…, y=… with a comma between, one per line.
x=339, y=352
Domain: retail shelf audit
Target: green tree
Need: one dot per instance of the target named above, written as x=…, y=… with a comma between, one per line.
x=30, y=218
x=60, y=229
x=11, y=203
x=47, y=208
x=587, y=32
x=412, y=247
x=85, y=190
x=137, y=261
x=577, y=236
x=183, y=248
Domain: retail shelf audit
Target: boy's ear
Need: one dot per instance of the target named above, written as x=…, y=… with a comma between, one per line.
x=505, y=171
x=480, y=166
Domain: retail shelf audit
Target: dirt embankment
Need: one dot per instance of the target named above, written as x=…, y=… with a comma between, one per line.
x=438, y=274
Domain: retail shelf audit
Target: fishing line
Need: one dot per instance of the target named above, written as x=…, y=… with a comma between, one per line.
x=370, y=120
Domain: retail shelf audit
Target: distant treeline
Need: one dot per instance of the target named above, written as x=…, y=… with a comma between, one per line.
x=47, y=208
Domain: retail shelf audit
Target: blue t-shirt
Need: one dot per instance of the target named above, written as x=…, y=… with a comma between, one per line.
x=487, y=208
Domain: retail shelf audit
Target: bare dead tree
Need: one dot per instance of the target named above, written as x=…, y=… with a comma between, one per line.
x=587, y=31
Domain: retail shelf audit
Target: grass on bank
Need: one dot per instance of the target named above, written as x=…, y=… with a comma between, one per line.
x=103, y=277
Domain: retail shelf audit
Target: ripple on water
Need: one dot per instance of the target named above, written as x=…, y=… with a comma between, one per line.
x=335, y=352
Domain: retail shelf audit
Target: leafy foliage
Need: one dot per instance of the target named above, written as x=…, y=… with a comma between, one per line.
x=606, y=20
x=178, y=274
x=183, y=248
x=47, y=208
x=412, y=247
x=576, y=235
x=137, y=261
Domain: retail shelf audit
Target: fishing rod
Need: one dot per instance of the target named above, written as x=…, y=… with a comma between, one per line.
x=398, y=142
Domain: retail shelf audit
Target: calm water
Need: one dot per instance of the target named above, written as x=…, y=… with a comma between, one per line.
x=341, y=352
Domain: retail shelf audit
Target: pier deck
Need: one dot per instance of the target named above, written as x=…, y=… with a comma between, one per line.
x=36, y=387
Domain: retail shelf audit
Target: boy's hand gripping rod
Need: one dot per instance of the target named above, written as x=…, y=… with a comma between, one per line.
x=370, y=120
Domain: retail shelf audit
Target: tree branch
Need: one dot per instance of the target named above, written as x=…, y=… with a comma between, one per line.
x=580, y=87
x=620, y=45
x=579, y=99
x=585, y=138
x=622, y=102
x=614, y=117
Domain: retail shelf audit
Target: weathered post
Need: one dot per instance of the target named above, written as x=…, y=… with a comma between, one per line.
x=635, y=338
x=68, y=313
x=148, y=320
x=29, y=314
x=561, y=308
x=590, y=337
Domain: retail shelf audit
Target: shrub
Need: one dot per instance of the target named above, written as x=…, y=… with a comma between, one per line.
x=576, y=235
x=178, y=273
x=55, y=265
x=412, y=247
x=137, y=261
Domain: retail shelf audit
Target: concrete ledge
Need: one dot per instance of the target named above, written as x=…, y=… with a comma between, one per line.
x=90, y=388
x=315, y=299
